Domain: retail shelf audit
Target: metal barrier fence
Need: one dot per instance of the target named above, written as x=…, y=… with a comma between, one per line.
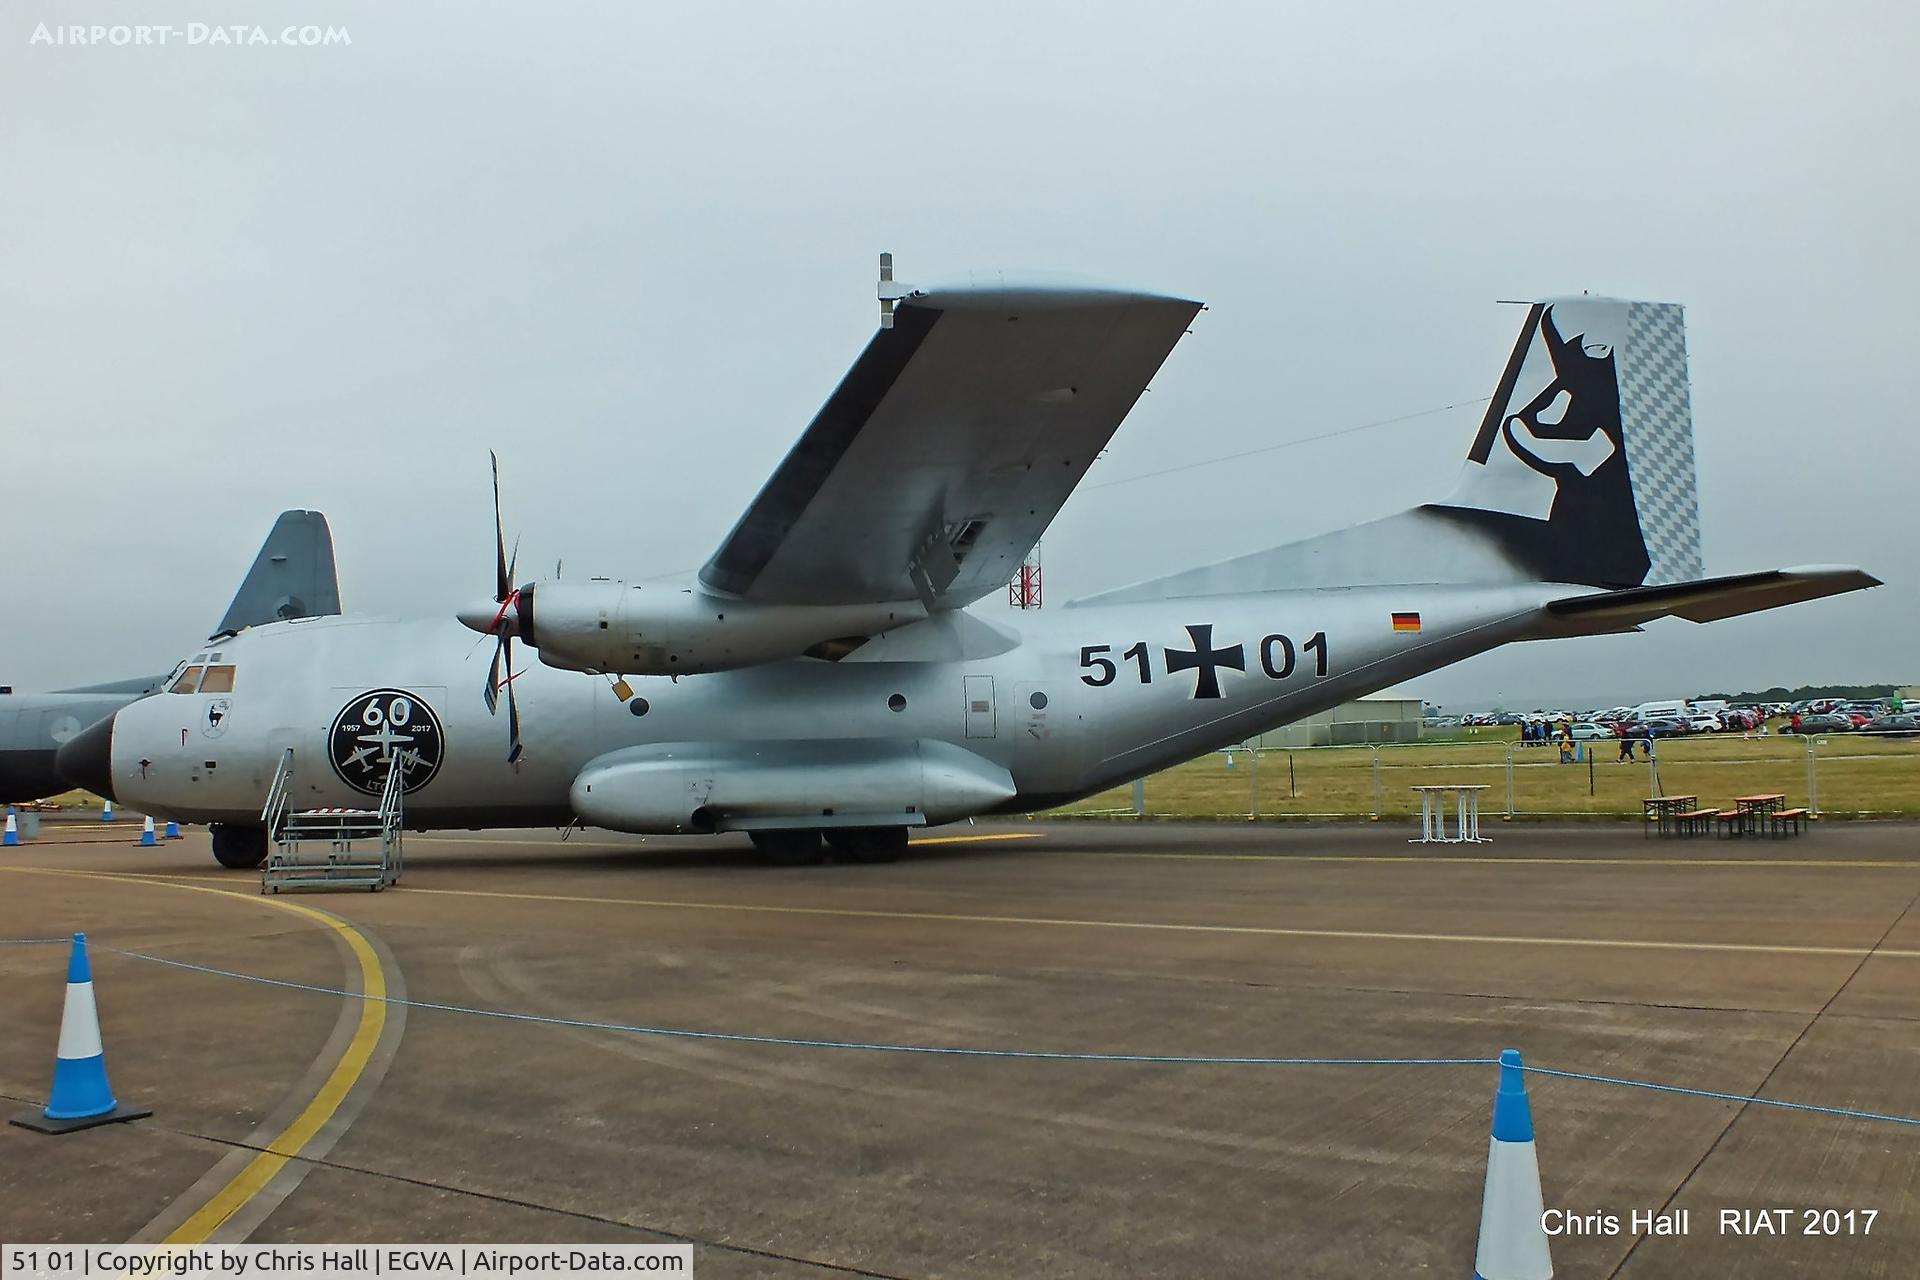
x=1837, y=775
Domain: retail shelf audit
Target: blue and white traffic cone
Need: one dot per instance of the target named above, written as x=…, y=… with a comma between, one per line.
x=82, y=1098
x=1513, y=1240
x=12, y=836
x=147, y=838
x=172, y=832
x=106, y=811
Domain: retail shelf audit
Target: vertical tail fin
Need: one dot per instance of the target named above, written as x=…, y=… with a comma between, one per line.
x=292, y=577
x=1583, y=466
x=1581, y=473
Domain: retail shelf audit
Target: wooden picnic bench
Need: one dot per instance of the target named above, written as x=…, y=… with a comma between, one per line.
x=1695, y=821
x=1753, y=810
x=1782, y=818
x=1664, y=812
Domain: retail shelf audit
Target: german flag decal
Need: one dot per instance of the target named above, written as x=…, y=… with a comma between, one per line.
x=1406, y=622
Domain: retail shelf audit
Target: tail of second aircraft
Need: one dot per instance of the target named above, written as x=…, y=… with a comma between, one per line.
x=1581, y=472
x=292, y=577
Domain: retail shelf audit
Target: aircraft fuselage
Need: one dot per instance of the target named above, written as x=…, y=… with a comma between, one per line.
x=1067, y=702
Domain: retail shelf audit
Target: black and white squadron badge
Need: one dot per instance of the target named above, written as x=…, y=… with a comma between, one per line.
x=378, y=729
x=215, y=722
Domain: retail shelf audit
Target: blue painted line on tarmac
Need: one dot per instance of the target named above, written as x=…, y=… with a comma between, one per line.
x=1048, y=1055
x=735, y=1037
x=1743, y=1098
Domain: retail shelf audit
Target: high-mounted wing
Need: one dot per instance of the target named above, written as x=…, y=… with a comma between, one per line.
x=949, y=446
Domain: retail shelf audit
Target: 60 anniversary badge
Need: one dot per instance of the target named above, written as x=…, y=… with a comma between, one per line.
x=380, y=727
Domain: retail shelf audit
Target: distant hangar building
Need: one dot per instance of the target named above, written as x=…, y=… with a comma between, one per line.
x=1380, y=718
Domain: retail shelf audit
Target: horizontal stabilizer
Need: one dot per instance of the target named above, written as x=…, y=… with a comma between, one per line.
x=1705, y=600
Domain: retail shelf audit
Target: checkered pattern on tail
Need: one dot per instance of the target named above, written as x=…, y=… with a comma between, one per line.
x=1656, y=413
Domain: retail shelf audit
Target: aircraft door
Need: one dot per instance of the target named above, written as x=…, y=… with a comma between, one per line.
x=980, y=710
x=1049, y=735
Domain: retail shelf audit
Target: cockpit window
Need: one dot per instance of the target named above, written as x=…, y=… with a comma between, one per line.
x=218, y=680
x=188, y=682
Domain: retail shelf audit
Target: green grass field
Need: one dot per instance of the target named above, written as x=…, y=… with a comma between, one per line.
x=70, y=800
x=1853, y=776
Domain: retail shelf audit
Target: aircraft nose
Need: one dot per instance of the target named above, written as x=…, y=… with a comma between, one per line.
x=86, y=759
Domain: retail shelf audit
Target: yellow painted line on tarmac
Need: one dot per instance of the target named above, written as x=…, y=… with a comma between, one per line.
x=259, y=1171
x=1352, y=935
x=981, y=838
x=1459, y=860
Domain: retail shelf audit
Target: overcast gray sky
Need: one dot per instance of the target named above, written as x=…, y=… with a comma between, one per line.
x=632, y=248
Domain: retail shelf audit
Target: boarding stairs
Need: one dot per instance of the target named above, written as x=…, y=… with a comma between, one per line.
x=331, y=848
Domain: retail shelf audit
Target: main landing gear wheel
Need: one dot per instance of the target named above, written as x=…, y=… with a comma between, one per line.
x=869, y=844
x=788, y=848
x=239, y=847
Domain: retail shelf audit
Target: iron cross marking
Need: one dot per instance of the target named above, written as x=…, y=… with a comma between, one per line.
x=1205, y=660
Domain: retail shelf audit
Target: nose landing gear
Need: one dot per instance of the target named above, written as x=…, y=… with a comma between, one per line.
x=239, y=847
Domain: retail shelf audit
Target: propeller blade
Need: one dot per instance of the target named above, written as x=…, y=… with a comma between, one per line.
x=513, y=707
x=504, y=596
x=492, y=695
x=503, y=576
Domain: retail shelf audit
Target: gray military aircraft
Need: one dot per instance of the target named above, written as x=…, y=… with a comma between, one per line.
x=822, y=675
x=292, y=577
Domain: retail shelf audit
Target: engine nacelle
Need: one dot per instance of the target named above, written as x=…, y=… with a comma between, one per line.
x=680, y=787
x=676, y=629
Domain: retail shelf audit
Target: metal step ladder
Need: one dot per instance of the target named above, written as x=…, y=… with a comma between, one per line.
x=331, y=848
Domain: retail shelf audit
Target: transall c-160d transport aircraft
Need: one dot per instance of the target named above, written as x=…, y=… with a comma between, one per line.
x=828, y=681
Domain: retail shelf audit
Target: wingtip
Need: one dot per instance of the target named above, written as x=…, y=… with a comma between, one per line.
x=1859, y=578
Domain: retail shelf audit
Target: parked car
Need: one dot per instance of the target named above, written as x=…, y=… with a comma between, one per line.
x=1587, y=730
x=1703, y=724
x=1825, y=723
x=1903, y=725
x=1662, y=727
